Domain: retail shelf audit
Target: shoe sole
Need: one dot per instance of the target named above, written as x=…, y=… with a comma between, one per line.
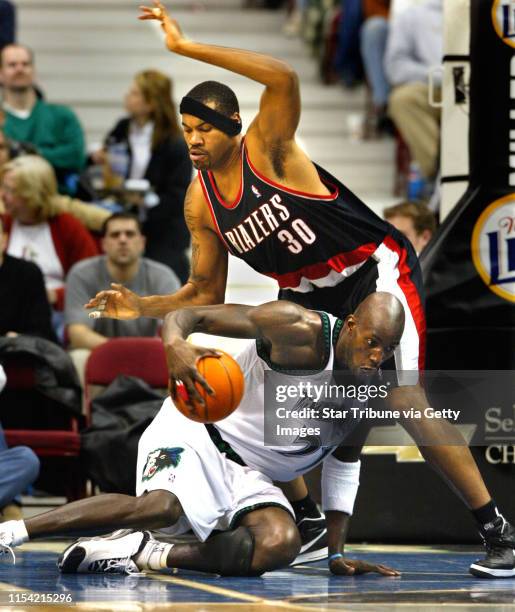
x=484, y=572
x=315, y=555
x=68, y=563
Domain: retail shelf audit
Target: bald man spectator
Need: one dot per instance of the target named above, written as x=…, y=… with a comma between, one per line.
x=54, y=129
x=415, y=221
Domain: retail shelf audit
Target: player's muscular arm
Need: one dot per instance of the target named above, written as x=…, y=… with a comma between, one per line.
x=291, y=332
x=279, y=79
x=278, y=322
x=207, y=281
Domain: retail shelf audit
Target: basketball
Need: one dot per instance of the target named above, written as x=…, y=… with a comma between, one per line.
x=225, y=377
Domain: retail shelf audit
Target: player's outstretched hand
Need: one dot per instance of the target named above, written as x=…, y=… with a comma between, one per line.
x=354, y=567
x=182, y=358
x=116, y=303
x=173, y=33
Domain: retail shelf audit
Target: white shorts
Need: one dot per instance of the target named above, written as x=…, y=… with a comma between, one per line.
x=177, y=455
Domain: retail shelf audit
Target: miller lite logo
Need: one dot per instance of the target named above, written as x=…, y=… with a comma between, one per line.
x=256, y=191
x=493, y=247
x=503, y=17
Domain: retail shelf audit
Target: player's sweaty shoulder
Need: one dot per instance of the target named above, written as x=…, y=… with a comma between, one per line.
x=196, y=211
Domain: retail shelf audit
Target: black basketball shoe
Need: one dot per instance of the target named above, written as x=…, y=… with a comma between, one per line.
x=313, y=535
x=499, y=539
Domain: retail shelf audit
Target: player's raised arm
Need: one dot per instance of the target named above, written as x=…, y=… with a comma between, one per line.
x=280, y=80
x=206, y=284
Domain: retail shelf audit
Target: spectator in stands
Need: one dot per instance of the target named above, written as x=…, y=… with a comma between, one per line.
x=347, y=59
x=19, y=469
x=25, y=308
x=92, y=216
x=415, y=45
x=156, y=152
x=373, y=37
x=415, y=221
x=36, y=230
x=7, y=23
x=52, y=128
x=123, y=244
x=296, y=12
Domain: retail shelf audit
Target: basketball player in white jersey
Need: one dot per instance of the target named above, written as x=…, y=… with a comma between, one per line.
x=184, y=480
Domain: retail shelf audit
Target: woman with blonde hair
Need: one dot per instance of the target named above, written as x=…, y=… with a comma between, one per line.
x=36, y=228
x=151, y=140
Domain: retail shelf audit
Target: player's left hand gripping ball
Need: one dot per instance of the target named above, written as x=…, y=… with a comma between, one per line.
x=225, y=377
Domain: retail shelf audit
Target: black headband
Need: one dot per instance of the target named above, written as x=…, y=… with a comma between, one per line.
x=220, y=122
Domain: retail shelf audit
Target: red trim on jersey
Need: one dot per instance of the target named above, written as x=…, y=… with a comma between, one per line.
x=212, y=212
x=412, y=297
x=338, y=263
x=311, y=196
x=237, y=200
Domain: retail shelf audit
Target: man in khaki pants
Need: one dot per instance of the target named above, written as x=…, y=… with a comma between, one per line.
x=414, y=47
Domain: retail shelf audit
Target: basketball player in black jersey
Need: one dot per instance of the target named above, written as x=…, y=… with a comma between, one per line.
x=262, y=199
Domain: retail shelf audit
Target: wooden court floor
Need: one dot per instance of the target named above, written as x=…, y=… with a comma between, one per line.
x=430, y=577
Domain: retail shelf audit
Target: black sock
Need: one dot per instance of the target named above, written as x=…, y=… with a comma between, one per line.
x=487, y=514
x=305, y=508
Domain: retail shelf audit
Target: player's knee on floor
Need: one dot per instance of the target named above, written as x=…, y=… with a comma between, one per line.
x=159, y=509
x=233, y=551
x=275, y=547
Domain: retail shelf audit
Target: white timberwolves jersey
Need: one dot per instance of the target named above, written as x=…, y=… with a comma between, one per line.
x=244, y=429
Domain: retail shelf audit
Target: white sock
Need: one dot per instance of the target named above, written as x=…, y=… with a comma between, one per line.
x=18, y=530
x=153, y=556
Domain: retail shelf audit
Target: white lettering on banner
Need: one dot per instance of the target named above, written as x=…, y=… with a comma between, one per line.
x=498, y=453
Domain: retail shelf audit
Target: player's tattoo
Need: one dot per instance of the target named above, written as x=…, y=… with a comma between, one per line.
x=195, y=255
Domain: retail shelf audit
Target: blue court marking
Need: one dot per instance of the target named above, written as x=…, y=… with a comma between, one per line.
x=427, y=577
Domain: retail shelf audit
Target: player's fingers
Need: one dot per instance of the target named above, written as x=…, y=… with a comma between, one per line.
x=203, y=382
x=117, y=288
x=95, y=301
x=146, y=13
x=384, y=570
x=194, y=395
x=172, y=388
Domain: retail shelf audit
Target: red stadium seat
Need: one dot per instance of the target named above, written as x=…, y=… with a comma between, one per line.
x=55, y=435
x=133, y=356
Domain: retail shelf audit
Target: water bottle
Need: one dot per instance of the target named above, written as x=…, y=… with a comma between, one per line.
x=416, y=182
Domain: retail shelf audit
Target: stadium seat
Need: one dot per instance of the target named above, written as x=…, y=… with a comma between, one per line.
x=41, y=423
x=141, y=357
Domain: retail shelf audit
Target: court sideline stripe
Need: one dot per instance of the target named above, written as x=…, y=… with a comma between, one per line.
x=214, y=590
x=330, y=596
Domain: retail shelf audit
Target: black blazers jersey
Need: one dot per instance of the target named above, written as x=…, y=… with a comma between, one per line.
x=304, y=241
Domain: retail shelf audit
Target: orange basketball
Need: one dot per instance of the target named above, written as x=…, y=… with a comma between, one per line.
x=225, y=377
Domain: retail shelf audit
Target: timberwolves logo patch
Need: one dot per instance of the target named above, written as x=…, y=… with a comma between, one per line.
x=493, y=247
x=160, y=459
x=503, y=18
